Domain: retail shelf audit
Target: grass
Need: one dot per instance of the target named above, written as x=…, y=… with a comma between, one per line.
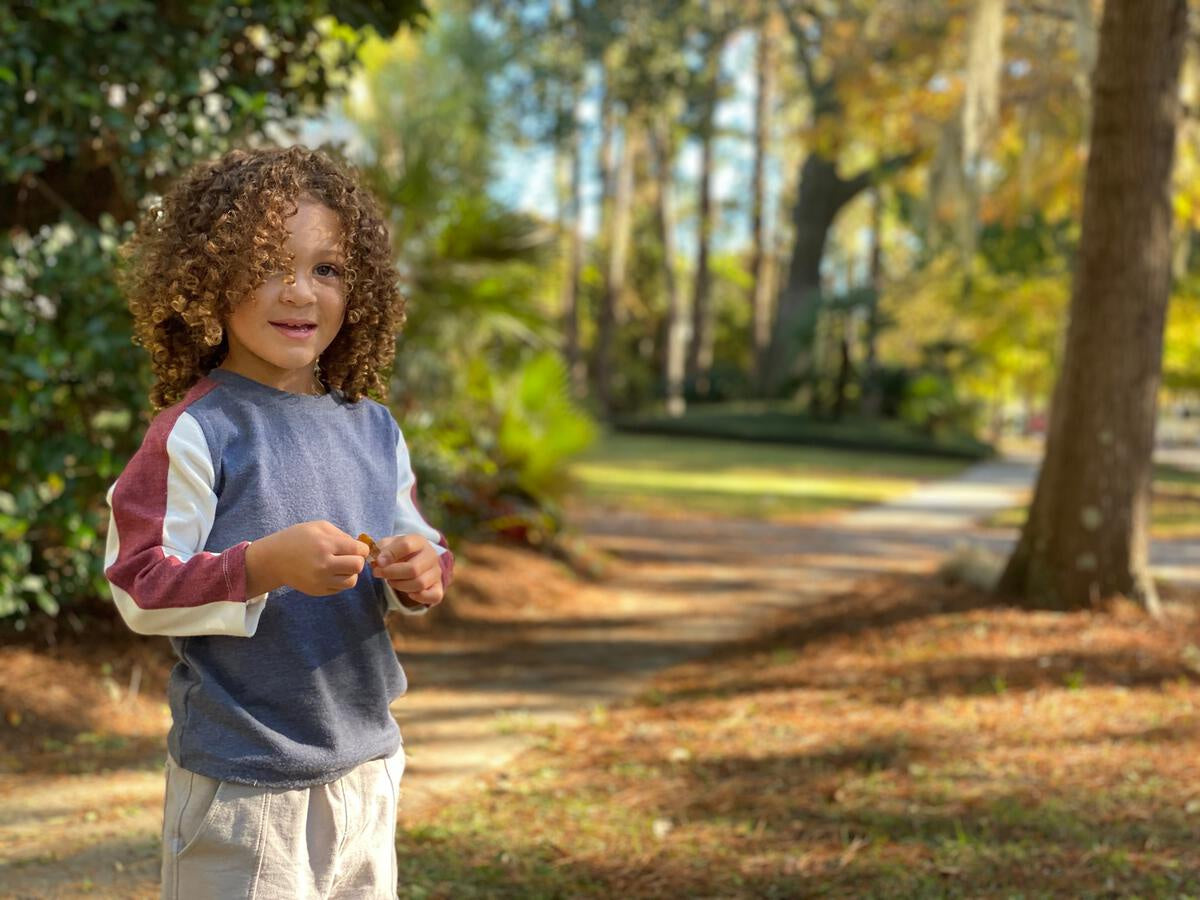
x=773, y=482
x=1174, y=506
x=906, y=740
x=785, y=423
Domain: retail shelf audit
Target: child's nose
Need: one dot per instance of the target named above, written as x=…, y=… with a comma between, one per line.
x=299, y=290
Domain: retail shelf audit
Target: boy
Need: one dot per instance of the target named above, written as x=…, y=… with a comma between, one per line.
x=263, y=288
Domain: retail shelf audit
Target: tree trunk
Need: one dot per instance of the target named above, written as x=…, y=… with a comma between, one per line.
x=760, y=267
x=822, y=195
x=980, y=113
x=570, y=183
x=614, y=282
x=663, y=153
x=699, y=357
x=845, y=367
x=872, y=402
x=1086, y=536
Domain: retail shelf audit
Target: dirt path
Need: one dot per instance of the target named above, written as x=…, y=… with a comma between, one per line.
x=558, y=651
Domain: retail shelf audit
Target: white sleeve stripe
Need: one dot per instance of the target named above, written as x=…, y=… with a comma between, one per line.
x=191, y=502
x=408, y=517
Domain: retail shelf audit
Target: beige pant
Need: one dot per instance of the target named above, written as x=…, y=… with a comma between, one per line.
x=223, y=840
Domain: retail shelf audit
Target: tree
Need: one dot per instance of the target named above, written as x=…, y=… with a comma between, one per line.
x=1086, y=535
x=838, y=46
x=102, y=100
x=761, y=263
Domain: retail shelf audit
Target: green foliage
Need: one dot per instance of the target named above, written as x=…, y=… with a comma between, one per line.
x=72, y=383
x=933, y=405
x=540, y=425
x=102, y=99
x=999, y=332
x=495, y=460
x=1181, y=351
x=933, y=400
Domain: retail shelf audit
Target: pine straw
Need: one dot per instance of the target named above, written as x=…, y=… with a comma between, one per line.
x=906, y=739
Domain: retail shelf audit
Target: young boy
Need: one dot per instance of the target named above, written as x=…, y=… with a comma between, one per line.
x=263, y=288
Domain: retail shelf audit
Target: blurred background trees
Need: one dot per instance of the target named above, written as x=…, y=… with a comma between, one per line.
x=785, y=216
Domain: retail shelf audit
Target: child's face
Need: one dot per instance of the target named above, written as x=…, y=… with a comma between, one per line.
x=281, y=329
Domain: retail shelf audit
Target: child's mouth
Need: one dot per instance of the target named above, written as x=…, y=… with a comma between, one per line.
x=297, y=330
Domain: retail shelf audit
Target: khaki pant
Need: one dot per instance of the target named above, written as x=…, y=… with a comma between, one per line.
x=223, y=840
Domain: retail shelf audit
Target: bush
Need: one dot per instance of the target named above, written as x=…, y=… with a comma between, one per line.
x=72, y=386
x=495, y=463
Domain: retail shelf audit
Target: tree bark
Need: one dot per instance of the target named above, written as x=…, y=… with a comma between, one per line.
x=1086, y=536
x=677, y=327
x=821, y=196
x=760, y=303
x=570, y=184
x=872, y=401
x=699, y=357
x=618, y=253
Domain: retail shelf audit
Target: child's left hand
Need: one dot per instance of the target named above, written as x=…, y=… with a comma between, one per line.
x=410, y=565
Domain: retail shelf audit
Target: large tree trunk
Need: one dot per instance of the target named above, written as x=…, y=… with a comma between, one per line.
x=1086, y=536
x=822, y=195
x=663, y=153
x=760, y=304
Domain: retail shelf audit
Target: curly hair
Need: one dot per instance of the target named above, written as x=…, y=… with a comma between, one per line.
x=219, y=233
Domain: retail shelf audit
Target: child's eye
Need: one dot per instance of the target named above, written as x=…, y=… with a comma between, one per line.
x=325, y=270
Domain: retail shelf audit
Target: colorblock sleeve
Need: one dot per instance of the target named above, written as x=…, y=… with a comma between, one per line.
x=408, y=520
x=162, y=510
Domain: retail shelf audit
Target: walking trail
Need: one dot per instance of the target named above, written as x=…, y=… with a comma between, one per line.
x=675, y=589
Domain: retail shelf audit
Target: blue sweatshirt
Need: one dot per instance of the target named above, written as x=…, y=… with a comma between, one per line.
x=283, y=689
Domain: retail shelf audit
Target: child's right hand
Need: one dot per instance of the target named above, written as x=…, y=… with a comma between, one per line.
x=316, y=558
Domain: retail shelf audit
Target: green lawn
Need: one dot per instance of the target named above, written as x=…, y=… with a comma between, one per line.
x=775, y=482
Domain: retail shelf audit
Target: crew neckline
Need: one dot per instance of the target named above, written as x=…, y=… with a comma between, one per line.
x=232, y=377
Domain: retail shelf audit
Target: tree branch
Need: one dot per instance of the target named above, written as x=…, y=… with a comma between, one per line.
x=801, y=40
x=850, y=188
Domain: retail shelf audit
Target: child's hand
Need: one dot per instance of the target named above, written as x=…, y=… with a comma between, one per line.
x=410, y=565
x=315, y=558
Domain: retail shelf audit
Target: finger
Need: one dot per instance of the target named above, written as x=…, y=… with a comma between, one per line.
x=418, y=584
x=400, y=547
x=348, y=546
x=401, y=571
x=406, y=585
x=346, y=565
x=335, y=585
x=430, y=597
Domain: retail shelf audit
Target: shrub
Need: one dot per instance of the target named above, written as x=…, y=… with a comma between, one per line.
x=72, y=412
